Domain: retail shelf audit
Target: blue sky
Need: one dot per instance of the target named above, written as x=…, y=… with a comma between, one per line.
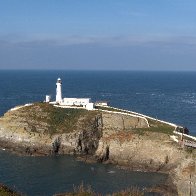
x=98, y=34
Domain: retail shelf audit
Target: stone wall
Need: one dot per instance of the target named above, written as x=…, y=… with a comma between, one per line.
x=122, y=122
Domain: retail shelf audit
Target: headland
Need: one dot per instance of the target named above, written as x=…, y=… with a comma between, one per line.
x=105, y=134
x=98, y=132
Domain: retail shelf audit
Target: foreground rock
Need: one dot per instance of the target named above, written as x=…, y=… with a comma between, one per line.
x=121, y=139
x=6, y=191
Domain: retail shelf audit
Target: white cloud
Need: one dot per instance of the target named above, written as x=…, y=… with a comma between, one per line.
x=111, y=41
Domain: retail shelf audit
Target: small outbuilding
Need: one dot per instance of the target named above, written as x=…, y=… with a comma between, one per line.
x=48, y=98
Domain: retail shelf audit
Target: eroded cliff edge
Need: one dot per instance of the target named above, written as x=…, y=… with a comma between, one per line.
x=121, y=139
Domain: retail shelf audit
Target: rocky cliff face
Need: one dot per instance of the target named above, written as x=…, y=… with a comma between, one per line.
x=151, y=152
x=147, y=151
x=110, y=137
x=44, y=129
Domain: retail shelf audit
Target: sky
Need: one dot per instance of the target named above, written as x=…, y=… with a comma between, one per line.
x=98, y=34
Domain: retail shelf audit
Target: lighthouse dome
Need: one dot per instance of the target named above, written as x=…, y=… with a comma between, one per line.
x=59, y=80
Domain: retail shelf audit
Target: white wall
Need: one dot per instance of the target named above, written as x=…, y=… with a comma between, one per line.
x=90, y=106
x=101, y=103
x=48, y=98
x=75, y=101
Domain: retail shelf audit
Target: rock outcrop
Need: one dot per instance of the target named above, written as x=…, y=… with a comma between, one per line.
x=44, y=129
x=117, y=138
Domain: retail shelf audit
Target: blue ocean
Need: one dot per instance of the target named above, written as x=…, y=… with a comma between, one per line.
x=169, y=96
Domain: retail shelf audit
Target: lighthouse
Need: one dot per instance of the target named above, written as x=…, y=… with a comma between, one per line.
x=58, y=91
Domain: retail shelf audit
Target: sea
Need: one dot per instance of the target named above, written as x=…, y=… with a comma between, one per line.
x=169, y=96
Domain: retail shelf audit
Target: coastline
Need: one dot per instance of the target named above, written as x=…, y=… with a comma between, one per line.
x=100, y=139
x=164, y=187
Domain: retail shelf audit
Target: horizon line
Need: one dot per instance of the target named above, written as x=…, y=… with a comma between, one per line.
x=101, y=70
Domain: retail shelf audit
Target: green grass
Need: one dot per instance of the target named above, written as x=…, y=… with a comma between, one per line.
x=159, y=129
x=156, y=126
x=58, y=119
x=65, y=120
x=110, y=109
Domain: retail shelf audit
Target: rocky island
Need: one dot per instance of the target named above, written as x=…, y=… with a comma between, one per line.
x=105, y=134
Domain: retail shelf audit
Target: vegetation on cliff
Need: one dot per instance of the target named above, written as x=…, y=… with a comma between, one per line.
x=46, y=118
x=156, y=126
x=81, y=190
x=5, y=191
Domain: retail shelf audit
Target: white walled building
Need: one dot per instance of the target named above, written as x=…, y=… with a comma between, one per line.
x=79, y=102
x=76, y=101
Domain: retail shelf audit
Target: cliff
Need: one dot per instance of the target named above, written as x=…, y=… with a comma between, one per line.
x=124, y=139
x=45, y=129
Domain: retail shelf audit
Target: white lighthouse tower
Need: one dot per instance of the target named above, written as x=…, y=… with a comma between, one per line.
x=58, y=91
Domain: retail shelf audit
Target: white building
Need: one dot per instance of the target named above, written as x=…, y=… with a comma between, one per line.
x=48, y=98
x=78, y=102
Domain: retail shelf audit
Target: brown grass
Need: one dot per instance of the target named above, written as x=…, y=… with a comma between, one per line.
x=5, y=191
x=58, y=120
x=120, y=136
x=81, y=190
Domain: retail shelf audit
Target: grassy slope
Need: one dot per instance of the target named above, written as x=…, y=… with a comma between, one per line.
x=58, y=120
x=43, y=117
x=156, y=126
